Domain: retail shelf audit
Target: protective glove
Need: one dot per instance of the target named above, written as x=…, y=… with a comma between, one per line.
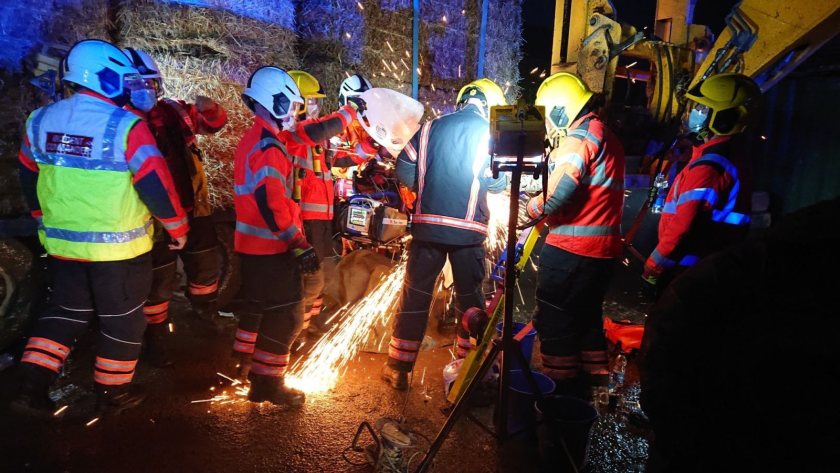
x=358, y=103
x=530, y=211
x=307, y=260
x=650, y=288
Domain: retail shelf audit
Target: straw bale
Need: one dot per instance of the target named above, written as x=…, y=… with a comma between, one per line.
x=504, y=45
x=206, y=34
x=212, y=52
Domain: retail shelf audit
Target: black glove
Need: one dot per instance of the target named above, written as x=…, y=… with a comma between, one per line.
x=307, y=260
x=357, y=103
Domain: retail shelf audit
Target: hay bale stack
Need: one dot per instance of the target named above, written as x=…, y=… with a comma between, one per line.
x=339, y=37
x=211, y=50
x=28, y=27
x=504, y=45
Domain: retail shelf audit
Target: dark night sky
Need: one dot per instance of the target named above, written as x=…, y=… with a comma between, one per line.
x=538, y=20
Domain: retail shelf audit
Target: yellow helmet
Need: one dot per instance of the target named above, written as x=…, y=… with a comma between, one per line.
x=563, y=95
x=731, y=99
x=485, y=90
x=309, y=86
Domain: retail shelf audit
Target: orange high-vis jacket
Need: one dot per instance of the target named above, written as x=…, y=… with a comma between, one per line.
x=585, y=191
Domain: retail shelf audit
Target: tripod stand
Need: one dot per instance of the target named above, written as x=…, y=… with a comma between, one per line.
x=511, y=138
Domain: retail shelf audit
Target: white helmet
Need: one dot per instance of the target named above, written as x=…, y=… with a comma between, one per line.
x=351, y=87
x=101, y=67
x=147, y=66
x=274, y=89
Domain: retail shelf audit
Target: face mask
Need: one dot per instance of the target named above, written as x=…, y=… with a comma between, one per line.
x=697, y=119
x=313, y=107
x=143, y=99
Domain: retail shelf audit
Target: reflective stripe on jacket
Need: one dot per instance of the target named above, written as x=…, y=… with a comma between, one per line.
x=446, y=163
x=705, y=209
x=315, y=182
x=585, y=191
x=91, y=210
x=262, y=161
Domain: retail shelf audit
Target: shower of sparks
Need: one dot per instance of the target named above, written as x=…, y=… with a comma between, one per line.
x=60, y=410
x=330, y=357
x=236, y=392
x=389, y=45
x=499, y=205
x=361, y=7
x=92, y=421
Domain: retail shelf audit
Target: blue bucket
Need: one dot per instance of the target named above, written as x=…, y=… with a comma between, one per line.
x=526, y=344
x=521, y=399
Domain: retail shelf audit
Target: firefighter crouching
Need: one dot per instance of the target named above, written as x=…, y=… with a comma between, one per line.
x=585, y=198
x=175, y=124
x=707, y=207
x=447, y=163
x=93, y=177
x=269, y=237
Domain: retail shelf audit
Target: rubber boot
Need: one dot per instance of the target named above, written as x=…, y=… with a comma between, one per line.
x=395, y=378
x=113, y=400
x=274, y=390
x=33, y=398
x=157, y=346
x=208, y=312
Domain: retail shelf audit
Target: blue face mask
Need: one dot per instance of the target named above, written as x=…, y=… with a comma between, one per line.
x=697, y=119
x=143, y=99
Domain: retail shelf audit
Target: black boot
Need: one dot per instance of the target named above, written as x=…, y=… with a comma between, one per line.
x=33, y=398
x=113, y=400
x=241, y=364
x=208, y=312
x=274, y=390
x=157, y=346
x=395, y=378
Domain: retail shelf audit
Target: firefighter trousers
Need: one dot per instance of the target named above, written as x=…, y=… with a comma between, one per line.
x=272, y=314
x=425, y=262
x=201, y=265
x=113, y=291
x=319, y=235
x=569, y=315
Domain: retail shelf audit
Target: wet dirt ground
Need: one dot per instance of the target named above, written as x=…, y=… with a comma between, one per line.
x=169, y=433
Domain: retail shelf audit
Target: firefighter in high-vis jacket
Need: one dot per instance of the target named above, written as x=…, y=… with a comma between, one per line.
x=583, y=207
x=707, y=207
x=314, y=192
x=269, y=231
x=447, y=164
x=175, y=124
x=93, y=177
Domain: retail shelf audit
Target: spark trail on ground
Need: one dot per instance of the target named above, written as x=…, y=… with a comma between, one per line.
x=327, y=361
x=329, y=358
